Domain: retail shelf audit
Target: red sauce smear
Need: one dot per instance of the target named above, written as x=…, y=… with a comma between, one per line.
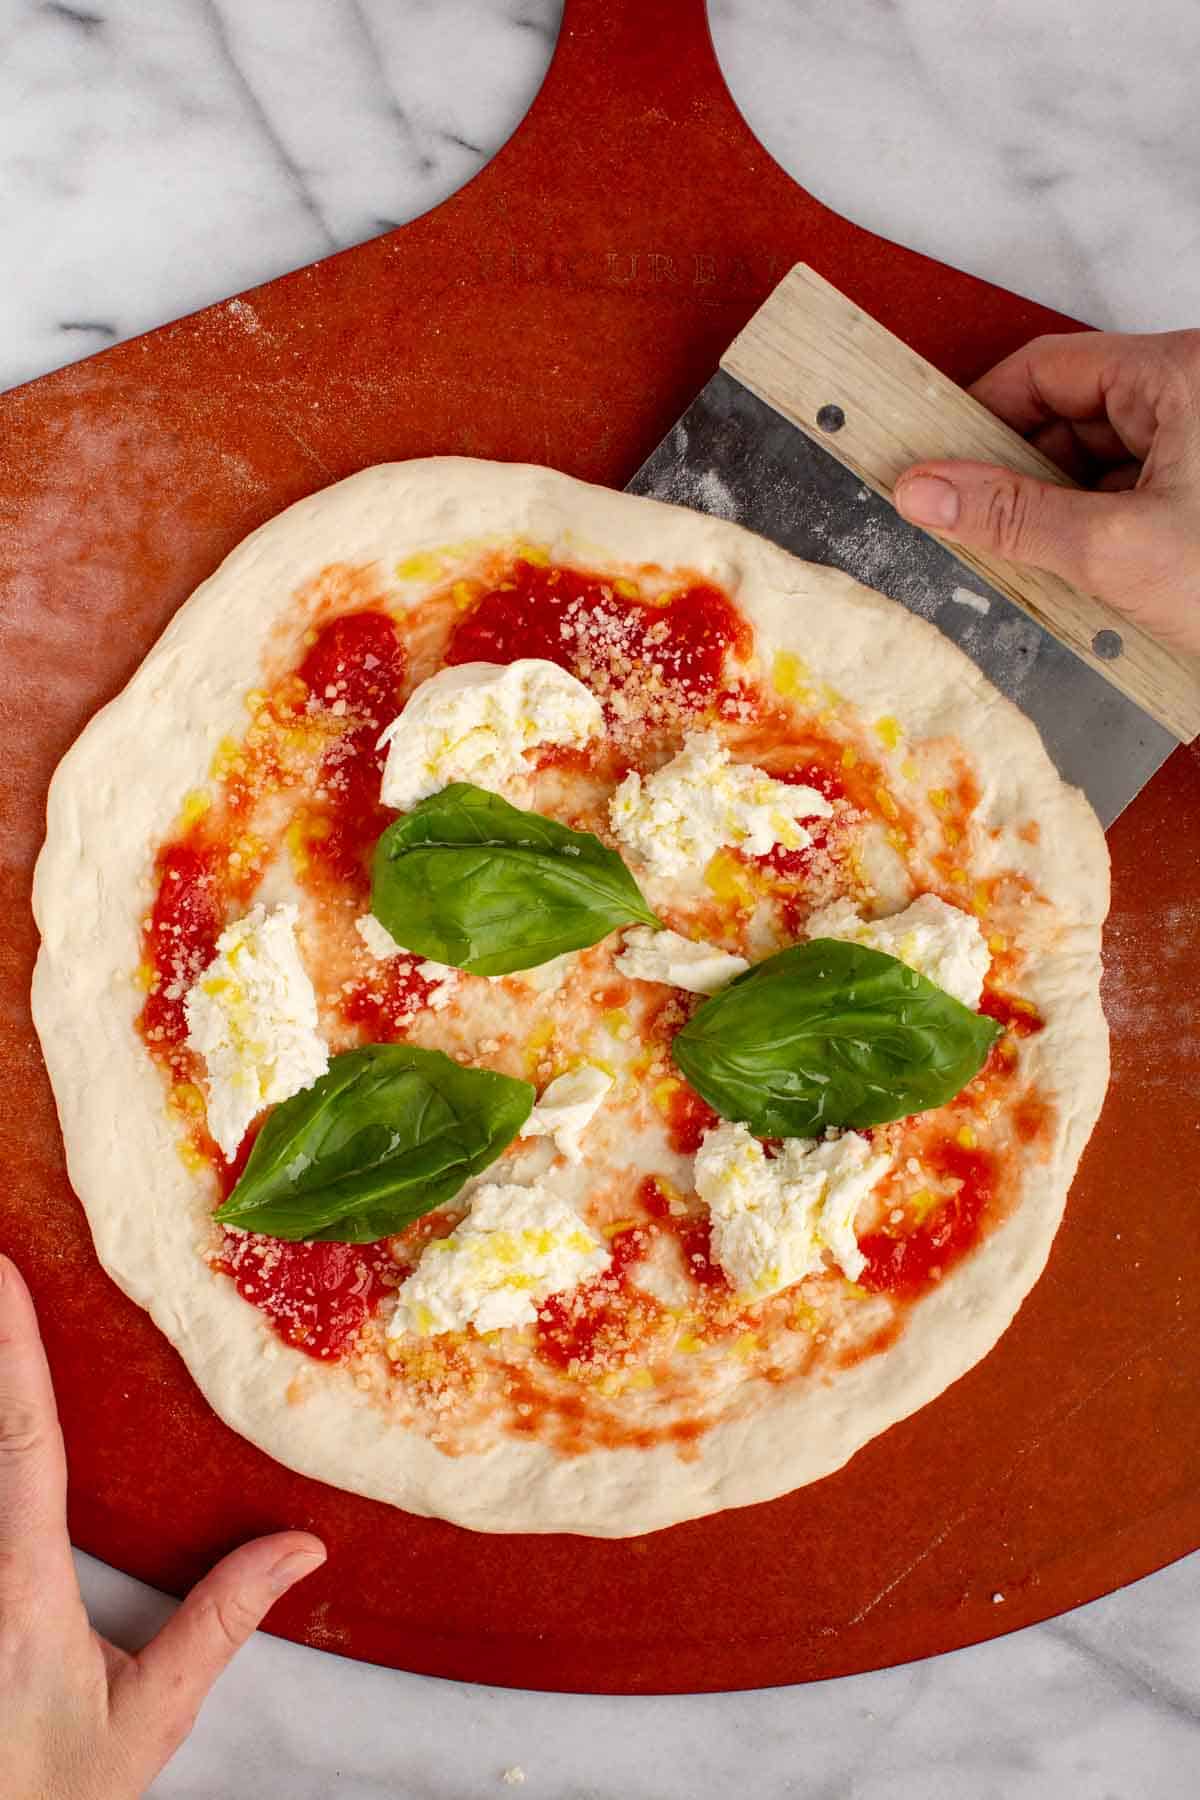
x=794, y=864
x=907, y=1266
x=688, y=1118
x=230, y=1173
x=692, y=1232
x=1017, y=1016
x=187, y=918
x=385, y=1002
x=317, y=1297
x=357, y=666
x=1031, y=1119
x=580, y=622
x=571, y=1327
x=358, y=659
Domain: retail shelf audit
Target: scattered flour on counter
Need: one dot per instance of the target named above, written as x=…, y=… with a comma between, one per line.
x=964, y=597
x=716, y=496
x=704, y=490
x=244, y=313
x=1140, y=1023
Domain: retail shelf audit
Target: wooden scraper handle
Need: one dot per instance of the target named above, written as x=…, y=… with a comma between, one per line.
x=872, y=402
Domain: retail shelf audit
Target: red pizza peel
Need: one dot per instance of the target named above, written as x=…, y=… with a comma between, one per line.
x=565, y=307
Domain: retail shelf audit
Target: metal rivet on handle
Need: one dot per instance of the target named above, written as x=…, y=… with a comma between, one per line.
x=1108, y=644
x=831, y=418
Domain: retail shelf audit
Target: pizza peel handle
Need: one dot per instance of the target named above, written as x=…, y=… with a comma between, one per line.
x=872, y=402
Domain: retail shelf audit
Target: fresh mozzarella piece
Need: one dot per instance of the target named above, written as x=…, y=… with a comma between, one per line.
x=567, y=1107
x=475, y=722
x=543, y=978
x=375, y=935
x=252, y=1016
x=773, y=1217
x=941, y=942
x=516, y=1247
x=649, y=955
x=674, y=820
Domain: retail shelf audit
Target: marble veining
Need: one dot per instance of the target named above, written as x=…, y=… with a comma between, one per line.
x=156, y=157
x=1049, y=147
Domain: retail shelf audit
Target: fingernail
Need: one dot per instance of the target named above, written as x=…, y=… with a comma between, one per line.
x=928, y=500
x=291, y=1567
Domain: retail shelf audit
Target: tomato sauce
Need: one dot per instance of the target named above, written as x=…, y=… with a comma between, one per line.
x=341, y=835
x=186, y=920
x=688, y=1118
x=1031, y=1119
x=1018, y=1016
x=794, y=865
x=584, y=1325
x=355, y=669
x=230, y=1173
x=357, y=665
x=908, y=1265
x=585, y=625
x=565, y=1416
x=593, y=1325
x=385, y=1002
x=692, y=1232
x=317, y=1297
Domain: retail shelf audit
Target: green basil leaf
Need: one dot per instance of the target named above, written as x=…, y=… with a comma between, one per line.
x=467, y=879
x=829, y=1033
x=386, y=1134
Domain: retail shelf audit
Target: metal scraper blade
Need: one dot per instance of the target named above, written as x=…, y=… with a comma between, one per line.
x=736, y=457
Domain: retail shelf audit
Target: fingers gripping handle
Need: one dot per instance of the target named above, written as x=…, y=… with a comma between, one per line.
x=873, y=403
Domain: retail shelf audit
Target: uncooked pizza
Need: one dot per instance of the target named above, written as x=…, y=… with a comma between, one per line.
x=568, y=1017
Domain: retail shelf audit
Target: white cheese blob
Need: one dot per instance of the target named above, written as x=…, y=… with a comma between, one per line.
x=516, y=1247
x=567, y=1106
x=443, y=980
x=543, y=978
x=375, y=935
x=474, y=723
x=649, y=955
x=673, y=820
x=252, y=1016
x=941, y=942
x=773, y=1217
x=382, y=946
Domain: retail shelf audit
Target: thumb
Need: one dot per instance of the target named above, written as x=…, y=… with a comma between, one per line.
x=159, y=1692
x=1068, y=531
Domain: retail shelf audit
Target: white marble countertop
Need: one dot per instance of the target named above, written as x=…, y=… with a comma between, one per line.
x=154, y=158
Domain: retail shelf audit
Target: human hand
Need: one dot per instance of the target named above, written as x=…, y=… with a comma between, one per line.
x=1121, y=415
x=79, y=1718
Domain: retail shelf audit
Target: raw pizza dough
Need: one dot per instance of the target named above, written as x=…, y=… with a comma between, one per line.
x=118, y=791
